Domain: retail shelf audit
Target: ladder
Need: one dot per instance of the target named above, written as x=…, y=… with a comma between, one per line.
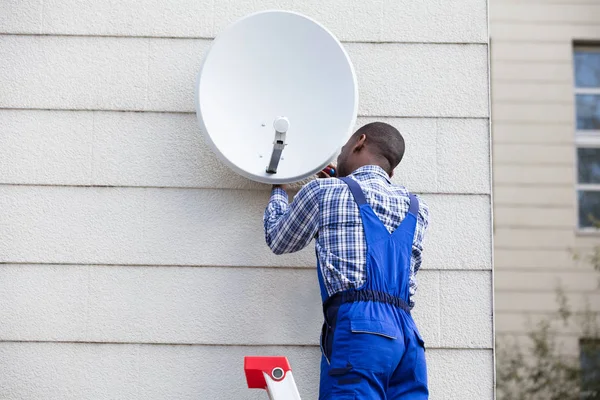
x=272, y=374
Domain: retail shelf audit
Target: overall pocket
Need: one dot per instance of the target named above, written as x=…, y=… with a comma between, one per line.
x=420, y=368
x=326, y=342
x=374, y=327
x=375, y=345
x=330, y=316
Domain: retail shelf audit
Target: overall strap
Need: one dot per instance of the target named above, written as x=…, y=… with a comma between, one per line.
x=359, y=196
x=357, y=192
x=414, y=205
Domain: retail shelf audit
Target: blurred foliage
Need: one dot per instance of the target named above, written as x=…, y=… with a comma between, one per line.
x=537, y=367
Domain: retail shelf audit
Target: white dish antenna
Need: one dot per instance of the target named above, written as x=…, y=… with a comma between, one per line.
x=276, y=96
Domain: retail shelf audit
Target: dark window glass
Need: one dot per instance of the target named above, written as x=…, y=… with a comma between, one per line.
x=588, y=111
x=587, y=68
x=589, y=208
x=588, y=169
x=590, y=368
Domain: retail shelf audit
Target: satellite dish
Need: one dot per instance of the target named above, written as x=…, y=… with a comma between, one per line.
x=276, y=96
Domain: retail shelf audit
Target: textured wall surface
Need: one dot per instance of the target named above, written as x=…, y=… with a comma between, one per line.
x=535, y=203
x=132, y=262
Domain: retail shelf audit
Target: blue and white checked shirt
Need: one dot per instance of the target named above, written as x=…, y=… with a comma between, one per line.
x=325, y=207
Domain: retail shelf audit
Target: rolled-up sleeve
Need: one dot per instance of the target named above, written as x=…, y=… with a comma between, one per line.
x=291, y=227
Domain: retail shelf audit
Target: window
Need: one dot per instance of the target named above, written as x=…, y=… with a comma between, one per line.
x=587, y=138
x=590, y=368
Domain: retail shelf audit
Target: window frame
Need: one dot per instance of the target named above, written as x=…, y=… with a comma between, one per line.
x=586, y=138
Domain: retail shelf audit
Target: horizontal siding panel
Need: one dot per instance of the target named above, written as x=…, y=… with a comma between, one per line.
x=544, y=175
x=183, y=226
x=352, y=20
x=534, y=2
x=547, y=13
x=70, y=371
x=141, y=74
x=562, y=196
x=137, y=226
x=472, y=364
x=567, y=344
x=518, y=71
x=516, y=51
x=465, y=309
x=543, y=302
x=535, y=217
x=43, y=146
x=179, y=305
x=21, y=16
x=580, y=279
x=547, y=32
x=167, y=150
x=534, y=238
x=87, y=371
x=588, y=241
x=474, y=139
x=523, y=322
x=535, y=133
x=186, y=305
x=559, y=257
x=549, y=113
x=534, y=154
x=533, y=92
x=464, y=21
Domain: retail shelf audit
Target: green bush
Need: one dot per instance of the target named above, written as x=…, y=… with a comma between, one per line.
x=538, y=368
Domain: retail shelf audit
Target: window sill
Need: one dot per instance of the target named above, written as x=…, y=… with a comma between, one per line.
x=587, y=232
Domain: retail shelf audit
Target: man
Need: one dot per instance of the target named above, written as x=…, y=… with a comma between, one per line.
x=369, y=236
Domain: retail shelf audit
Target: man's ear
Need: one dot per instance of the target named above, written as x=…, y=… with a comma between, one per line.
x=360, y=143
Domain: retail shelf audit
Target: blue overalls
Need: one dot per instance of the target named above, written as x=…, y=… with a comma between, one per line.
x=371, y=346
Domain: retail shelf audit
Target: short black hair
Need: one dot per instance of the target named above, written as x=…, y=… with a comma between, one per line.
x=385, y=142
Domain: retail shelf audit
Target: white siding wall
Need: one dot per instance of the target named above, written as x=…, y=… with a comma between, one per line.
x=133, y=262
x=534, y=159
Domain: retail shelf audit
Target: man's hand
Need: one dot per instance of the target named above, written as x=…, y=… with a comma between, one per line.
x=323, y=174
x=320, y=175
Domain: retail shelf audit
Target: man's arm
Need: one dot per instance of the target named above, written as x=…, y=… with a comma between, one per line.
x=291, y=227
x=422, y=223
x=417, y=247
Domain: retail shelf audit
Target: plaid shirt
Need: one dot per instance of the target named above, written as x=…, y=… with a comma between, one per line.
x=325, y=209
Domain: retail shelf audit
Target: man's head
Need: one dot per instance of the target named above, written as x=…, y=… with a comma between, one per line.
x=376, y=143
